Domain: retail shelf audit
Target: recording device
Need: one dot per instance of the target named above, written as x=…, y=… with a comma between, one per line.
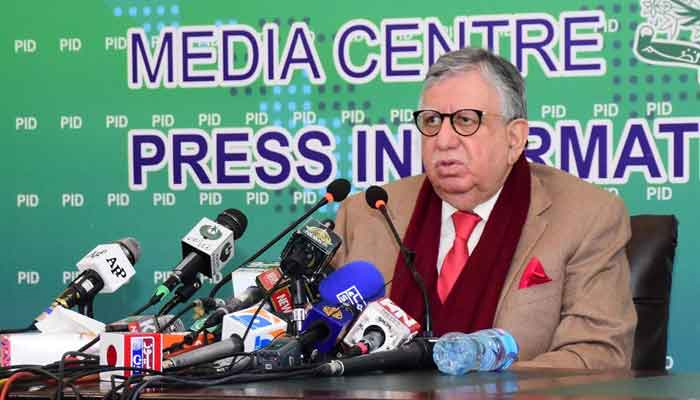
x=416, y=354
x=104, y=270
x=382, y=326
x=378, y=198
x=305, y=258
x=205, y=249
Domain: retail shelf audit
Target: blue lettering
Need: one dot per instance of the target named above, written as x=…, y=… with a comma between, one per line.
x=597, y=149
x=140, y=142
x=141, y=61
x=307, y=171
x=644, y=159
x=194, y=162
x=273, y=166
x=225, y=159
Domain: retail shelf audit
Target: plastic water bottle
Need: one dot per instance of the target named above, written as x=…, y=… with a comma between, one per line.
x=457, y=353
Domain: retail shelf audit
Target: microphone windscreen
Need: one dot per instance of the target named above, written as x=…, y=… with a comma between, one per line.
x=234, y=220
x=374, y=194
x=356, y=283
x=339, y=189
x=132, y=246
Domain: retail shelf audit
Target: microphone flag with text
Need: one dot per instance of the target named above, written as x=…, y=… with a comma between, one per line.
x=103, y=270
x=206, y=248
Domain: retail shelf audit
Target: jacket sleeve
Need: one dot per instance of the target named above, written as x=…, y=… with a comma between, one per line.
x=598, y=318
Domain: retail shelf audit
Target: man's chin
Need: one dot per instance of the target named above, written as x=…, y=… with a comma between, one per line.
x=454, y=186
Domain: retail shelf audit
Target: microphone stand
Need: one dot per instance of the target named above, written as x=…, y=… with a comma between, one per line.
x=408, y=257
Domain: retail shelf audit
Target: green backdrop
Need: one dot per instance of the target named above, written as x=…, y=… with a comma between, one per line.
x=612, y=95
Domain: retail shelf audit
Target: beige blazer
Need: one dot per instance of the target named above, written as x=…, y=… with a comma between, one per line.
x=584, y=317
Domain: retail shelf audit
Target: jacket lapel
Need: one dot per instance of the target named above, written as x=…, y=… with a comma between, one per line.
x=535, y=224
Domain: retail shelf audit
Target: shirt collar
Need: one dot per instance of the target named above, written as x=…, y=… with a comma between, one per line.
x=483, y=210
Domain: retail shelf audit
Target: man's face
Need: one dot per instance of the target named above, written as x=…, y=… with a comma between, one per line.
x=466, y=171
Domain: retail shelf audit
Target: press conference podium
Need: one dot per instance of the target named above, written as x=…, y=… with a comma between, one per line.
x=429, y=384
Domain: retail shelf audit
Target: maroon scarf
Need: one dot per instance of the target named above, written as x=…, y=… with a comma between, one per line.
x=472, y=302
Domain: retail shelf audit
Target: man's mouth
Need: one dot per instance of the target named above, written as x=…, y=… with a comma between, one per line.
x=448, y=167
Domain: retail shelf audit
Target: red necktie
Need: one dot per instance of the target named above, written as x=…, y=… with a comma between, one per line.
x=458, y=255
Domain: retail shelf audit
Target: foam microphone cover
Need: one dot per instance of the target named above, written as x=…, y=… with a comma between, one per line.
x=375, y=194
x=339, y=189
x=356, y=283
x=234, y=220
x=132, y=247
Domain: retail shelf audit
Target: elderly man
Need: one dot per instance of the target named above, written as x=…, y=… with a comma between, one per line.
x=500, y=242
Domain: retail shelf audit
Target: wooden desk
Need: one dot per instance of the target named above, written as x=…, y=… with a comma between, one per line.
x=517, y=384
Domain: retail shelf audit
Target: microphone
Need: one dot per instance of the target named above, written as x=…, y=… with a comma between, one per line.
x=378, y=198
x=327, y=323
x=205, y=249
x=413, y=355
x=212, y=352
x=145, y=324
x=249, y=297
x=338, y=190
x=344, y=292
x=382, y=326
x=354, y=284
x=104, y=270
x=182, y=294
x=308, y=252
x=262, y=327
x=209, y=303
x=280, y=296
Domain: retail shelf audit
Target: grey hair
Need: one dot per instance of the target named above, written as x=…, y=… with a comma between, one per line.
x=499, y=72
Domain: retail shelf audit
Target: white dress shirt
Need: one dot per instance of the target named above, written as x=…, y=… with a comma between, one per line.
x=447, y=227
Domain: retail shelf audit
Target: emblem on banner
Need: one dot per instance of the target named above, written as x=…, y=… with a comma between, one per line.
x=142, y=353
x=670, y=34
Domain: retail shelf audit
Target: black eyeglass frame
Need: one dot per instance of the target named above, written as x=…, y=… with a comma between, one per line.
x=479, y=113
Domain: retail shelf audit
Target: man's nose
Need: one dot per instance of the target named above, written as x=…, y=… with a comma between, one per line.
x=447, y=137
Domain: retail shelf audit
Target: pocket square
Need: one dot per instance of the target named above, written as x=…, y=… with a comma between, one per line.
x=534, y=274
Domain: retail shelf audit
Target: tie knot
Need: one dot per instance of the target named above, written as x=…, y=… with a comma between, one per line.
x=464, y=223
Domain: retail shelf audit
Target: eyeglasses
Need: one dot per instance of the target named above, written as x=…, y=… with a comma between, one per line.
x=465, y=122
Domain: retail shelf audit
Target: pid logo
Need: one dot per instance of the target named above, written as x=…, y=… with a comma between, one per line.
x=142, y=353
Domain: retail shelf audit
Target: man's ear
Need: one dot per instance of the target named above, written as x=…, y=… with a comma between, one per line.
x=516, y=132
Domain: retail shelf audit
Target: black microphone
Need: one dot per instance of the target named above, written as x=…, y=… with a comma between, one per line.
x=206, y=248
x=250, y=296
x=290, y=351
x=413, y=355
x=181, y=295
x=308, y=252
x=338, y=190
x=378, y=198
